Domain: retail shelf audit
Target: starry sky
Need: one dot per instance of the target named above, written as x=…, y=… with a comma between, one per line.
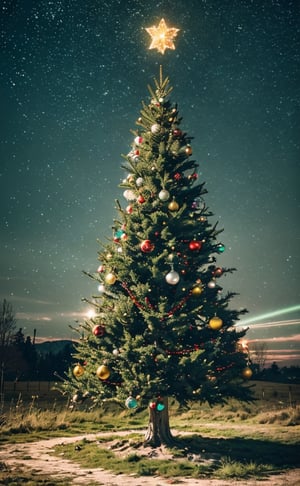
x=73, y=74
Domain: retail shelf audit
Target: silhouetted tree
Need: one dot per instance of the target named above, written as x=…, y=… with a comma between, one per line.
x=7, y=324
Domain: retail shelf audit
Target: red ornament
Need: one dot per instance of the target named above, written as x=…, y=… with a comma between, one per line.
x=138, y=140
x=147, y=246
x=152, y=405
x=217, y=272
x=129, y=209
x=141, y=199
x=195, y=245
x=177, y=176
x=98, y=330
x=177, y=133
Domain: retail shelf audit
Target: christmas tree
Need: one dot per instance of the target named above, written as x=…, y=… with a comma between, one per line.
x=162, y=325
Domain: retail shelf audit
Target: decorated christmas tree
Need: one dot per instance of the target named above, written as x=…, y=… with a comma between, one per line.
x=162, y=326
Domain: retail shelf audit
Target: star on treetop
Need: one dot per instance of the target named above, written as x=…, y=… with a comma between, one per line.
x=162, y=37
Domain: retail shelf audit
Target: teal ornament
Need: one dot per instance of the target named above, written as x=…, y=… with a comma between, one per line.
x=220, y=248
x=119, y=233
x=131, y=403
x=160, y=407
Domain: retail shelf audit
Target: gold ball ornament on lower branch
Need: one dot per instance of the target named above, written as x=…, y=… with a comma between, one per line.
x=173, y=206
x=110, y=278
x=247, y=373
x=215, y=323
x=196, y=291
x=103, y=372
x=78, y=370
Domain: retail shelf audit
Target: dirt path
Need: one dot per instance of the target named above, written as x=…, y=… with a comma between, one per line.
x=37, y=456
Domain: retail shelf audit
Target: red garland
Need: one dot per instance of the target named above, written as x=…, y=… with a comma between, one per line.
x=140, y=306
x=131, y=295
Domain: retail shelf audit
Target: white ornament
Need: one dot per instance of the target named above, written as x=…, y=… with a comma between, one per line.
x=139, y=182
x=164, y=195
x=129, y=195
x=155, y=128
x=138, y=140
x=172, y=277
x=101, y=289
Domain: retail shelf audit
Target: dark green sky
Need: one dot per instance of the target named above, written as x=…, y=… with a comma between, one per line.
x=73, y=75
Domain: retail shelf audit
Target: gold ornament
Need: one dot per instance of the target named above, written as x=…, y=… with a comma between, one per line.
x=197, y=291
x=215, y=323
x=78, y=370
x=103, y=372
x=247, y=373
x=110, y=278
x=173, y=206
x=162, y=36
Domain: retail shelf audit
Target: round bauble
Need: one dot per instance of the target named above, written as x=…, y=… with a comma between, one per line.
x=196, y=291
x=141, y=199
x=172, y=277
x=188, y=150
x=152, y=405
x=146, y=246
x=215, y=323
x=138, y=140
x=78, y=370
x=118, y=235
x=160, y=406
x=220, y=248
x=217, y=272
x=247, y=373
x=101, y=289
x=101, y=269
x=177, y=176
x=173, y=206
x=103, y=372
x=155, y=128
x=129, y=209
x=195, y=245
x=116, y=352
x=98, y=330
x=177, y=133
x=129, y=195
x=110, y=278
x=131, y=403
x=211, y=284
x=164, y=195
x=139, y=182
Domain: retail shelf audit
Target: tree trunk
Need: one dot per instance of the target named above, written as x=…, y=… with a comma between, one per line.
x=158, y=431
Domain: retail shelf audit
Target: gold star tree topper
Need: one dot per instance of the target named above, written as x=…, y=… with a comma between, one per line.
x=162, y=36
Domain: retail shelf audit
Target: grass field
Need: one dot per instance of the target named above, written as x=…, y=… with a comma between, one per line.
x=236, y=440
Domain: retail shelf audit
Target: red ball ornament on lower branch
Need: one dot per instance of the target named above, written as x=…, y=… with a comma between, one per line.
x=147, y=246
x=98, y=330
x=195, y=245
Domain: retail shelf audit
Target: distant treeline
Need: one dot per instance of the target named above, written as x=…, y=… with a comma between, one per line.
x=23, y=360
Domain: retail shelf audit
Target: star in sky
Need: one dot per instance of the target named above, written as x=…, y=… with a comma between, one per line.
x=162, y=36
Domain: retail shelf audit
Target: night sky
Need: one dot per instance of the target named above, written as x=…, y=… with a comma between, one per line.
x=73, y=74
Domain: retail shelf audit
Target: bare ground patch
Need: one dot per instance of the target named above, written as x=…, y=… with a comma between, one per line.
x=38, y=457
